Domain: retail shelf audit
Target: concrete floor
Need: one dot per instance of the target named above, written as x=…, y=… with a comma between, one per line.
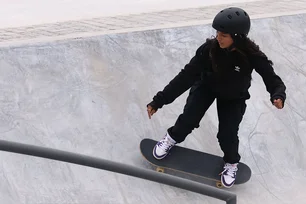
x=89, y=96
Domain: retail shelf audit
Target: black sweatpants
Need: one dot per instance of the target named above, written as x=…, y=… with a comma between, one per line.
x=230, y=114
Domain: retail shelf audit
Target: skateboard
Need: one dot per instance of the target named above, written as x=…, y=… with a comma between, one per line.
x=199, y=165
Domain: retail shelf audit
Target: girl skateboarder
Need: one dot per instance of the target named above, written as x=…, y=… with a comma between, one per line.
x=221, y=69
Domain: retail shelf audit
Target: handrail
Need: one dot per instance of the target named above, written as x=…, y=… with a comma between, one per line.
x=117, y=167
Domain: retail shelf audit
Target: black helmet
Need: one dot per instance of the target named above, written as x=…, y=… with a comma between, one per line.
x=232, y=20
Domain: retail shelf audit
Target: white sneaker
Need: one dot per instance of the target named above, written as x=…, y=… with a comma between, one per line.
x=163, y=147
x=228, y=176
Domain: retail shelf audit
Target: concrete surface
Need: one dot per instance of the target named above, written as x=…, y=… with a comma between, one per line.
x=32, y=12
x=43, y=30
x=89, y=96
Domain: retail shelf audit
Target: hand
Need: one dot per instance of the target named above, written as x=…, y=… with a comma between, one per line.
x=151, y=111
x=278, y=103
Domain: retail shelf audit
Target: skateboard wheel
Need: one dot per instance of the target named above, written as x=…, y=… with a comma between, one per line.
x=160, y=169
x=219, y=184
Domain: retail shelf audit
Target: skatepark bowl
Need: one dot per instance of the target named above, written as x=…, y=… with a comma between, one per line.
x=88, y=96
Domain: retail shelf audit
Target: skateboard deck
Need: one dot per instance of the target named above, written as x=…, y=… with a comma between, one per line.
x=192, y=162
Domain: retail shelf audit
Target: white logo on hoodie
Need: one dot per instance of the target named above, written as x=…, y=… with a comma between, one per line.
x=237, y=69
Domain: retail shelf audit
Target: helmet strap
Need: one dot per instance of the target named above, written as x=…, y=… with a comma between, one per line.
x=231, y=47
x=234, y=37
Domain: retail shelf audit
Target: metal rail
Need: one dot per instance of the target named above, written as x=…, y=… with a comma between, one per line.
x=117, y=167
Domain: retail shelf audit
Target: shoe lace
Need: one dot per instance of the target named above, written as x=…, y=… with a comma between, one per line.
x=165, y=144
x=231, y=169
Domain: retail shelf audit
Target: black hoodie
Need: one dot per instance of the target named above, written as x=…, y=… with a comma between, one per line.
x=230, y=83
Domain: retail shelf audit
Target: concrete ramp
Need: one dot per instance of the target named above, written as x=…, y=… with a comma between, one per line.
x=89, y=96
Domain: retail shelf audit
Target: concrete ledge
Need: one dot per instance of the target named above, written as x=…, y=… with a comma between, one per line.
x=141, y=22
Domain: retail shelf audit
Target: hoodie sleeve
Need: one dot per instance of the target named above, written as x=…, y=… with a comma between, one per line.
x=274, y=84
x=181, y=82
